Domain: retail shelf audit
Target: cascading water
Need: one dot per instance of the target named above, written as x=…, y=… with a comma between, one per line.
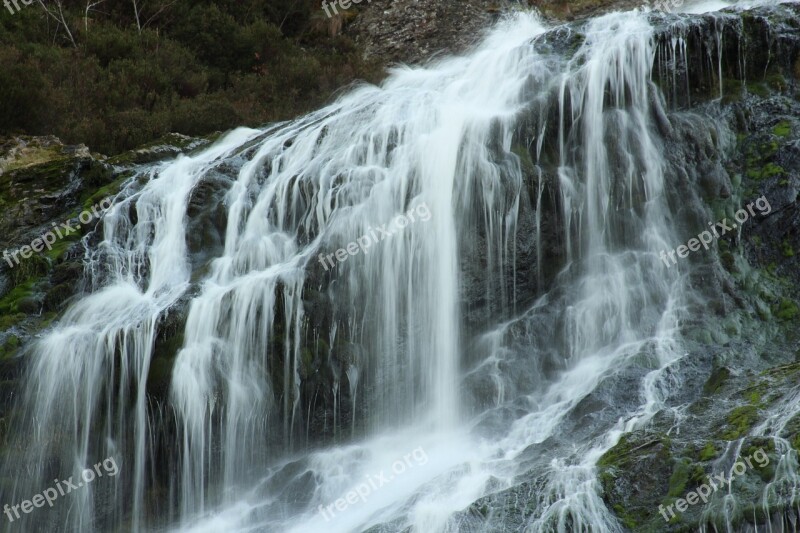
x=393, y=362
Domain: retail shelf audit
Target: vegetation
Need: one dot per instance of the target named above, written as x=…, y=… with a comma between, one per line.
x=116, y=75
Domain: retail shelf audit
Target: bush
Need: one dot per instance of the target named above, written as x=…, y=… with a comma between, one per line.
x=195, y=68
x=22, y=94
x=204, y=114
x=130, y=129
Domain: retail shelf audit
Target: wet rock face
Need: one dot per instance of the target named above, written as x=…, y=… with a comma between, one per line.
x=731, y=137
x=410, y=31
x=741, y=365
x=45, y=185
x=577, y=9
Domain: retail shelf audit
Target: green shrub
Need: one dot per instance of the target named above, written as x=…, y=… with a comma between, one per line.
x=204, y=114
x=194, y=68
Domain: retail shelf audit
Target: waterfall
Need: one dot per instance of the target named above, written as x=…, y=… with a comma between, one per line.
x=365, y=282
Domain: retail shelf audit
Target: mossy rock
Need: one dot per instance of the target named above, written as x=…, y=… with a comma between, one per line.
x=782, y=129
x=716, y=380
x=97, y=174
x=777, y=82
x=9, y=320
x=34, y=154
x=740, y=421
x=686, y=474
x=758, y=89
x=57, y=297
x=106, y=191
x=10, y=347
x=639, y=463
x=786, y=310
x=708, y=452
x=767, y=171
x=786, y=249
x=169, y=146
x=63, y=245
x=10, y=303
x=34, y=266
x=52, y=173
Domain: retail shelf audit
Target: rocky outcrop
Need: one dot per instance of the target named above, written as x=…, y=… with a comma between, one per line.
x=410, y=31
x=44, y=186
x=738, y=381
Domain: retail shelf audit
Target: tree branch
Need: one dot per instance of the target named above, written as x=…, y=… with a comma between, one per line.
x=60, y=19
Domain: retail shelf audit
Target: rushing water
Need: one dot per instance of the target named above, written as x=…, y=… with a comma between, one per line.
x=436, y=143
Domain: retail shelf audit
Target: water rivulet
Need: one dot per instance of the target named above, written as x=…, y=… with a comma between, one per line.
x=512, y=345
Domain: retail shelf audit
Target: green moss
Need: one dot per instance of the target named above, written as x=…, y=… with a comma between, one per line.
x=791, y=430
x=52, y=173
x=9, y=320
x=786, y=310
x=782, y=128
x=679, y=479
x=757, y=153
x=625, y=517
x=777, y=82
x=613, y=456
x=610, y=461
x=62, y=245
x=685, y=475
x=766, y=444
x=757, y=162
x=740, y=420
x=621, y=460
x=708, y=452
x=10, y=347
x=758, y=89
x=728, y=260
x=767, y=171
x=9, y=304
x=104, y=192
x=97, y=174
x=47, y=319
x=787, y=249
x=168, y=348
x=754, y=393
x=783, y=371
x=33, y=267
x=34, y=156
x=731, y=90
